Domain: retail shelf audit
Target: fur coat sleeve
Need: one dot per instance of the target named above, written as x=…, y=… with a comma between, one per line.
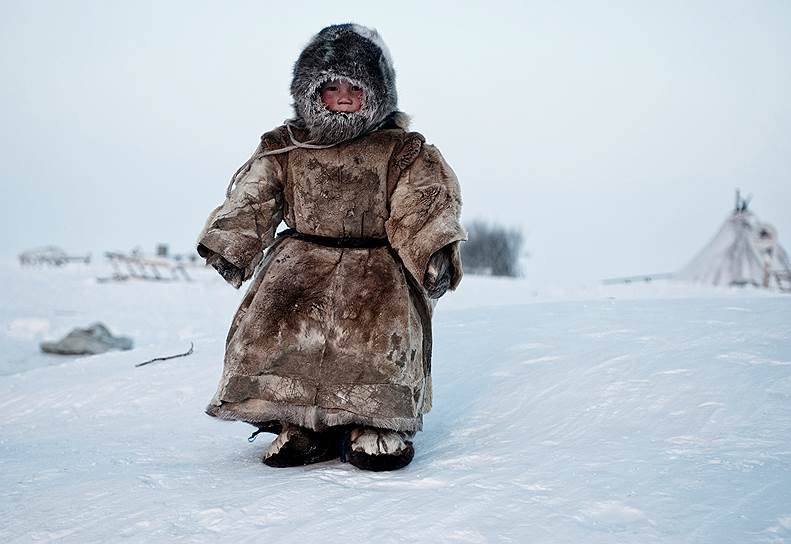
x=244, y=225
x=425, y=210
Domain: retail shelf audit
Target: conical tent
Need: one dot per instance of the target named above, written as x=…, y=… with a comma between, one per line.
x=745, y=251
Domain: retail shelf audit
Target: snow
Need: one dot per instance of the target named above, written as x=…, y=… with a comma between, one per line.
x=655, y=413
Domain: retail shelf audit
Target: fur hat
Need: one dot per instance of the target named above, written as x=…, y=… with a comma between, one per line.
x=353, y=53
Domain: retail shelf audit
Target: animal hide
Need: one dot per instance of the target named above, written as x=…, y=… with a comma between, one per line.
x=330, y=336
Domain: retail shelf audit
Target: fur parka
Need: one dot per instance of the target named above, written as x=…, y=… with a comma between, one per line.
x=324, y=335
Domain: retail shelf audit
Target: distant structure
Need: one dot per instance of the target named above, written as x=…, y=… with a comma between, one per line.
x=642, y=278
x=50, y=256
x=164, y=266
x=137, y=267
x=745, y=251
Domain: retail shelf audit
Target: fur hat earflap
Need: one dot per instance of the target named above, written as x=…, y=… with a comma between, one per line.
x=347, y=52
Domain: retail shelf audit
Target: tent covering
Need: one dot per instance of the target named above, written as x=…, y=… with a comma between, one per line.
x=745, y=251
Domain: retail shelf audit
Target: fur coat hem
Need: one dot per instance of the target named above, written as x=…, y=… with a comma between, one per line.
x=313, y=417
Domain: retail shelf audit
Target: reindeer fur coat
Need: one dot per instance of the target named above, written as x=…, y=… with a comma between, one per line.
x=325, y=335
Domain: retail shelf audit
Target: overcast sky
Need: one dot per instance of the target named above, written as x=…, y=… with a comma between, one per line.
x=612, y=133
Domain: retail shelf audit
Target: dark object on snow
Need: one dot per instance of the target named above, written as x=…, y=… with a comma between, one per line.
x=645, y=278
x=91, y=341
x=167, y=358
x=491, y=250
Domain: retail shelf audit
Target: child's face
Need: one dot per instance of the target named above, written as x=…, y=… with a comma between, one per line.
x=339, y=95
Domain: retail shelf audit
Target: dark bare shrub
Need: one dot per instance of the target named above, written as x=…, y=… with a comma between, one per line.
x=491, y=249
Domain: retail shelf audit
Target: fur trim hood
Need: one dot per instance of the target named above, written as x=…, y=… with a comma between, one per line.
x=354, y=53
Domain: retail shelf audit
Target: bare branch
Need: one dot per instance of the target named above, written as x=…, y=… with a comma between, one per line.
x=188, y=352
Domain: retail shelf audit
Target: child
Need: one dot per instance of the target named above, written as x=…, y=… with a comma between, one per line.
x=331, y=345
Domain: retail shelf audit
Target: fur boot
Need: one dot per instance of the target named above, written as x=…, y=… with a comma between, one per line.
x=378, y=450
x=296, y=446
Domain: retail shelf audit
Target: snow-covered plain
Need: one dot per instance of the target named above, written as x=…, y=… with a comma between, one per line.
x=641, y=414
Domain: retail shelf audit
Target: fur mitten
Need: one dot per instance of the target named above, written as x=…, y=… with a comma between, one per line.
x=232, y=274
x=438, y=273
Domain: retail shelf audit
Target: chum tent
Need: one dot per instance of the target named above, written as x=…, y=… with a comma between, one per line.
x=745, y=251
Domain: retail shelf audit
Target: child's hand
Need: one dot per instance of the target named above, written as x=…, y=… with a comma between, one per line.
x=437, y=279
x=232, y=274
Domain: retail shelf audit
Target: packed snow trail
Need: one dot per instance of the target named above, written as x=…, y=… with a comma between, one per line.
x=607, y=420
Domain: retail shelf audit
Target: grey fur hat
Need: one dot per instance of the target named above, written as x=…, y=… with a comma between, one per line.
x=354, y=53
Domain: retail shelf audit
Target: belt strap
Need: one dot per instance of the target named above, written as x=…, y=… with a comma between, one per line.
x=329, y=241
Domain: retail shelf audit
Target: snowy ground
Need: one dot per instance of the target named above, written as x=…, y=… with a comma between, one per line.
x=642, y=414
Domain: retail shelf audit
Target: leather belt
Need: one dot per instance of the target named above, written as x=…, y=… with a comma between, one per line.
x=330, y=241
